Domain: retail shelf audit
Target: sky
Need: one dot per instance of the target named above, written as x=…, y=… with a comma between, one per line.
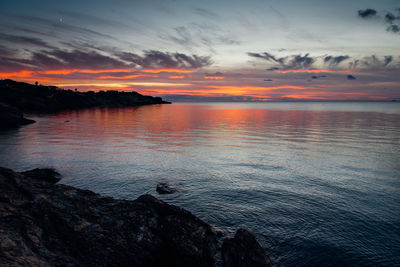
x=207, y=50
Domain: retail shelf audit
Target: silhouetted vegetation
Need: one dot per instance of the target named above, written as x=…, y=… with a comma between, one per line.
x=43, y=99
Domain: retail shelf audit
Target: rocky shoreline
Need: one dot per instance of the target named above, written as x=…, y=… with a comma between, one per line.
x=18, y=97
x=43, y=223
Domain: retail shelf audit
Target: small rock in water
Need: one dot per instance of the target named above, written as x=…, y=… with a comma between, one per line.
x=165, y=188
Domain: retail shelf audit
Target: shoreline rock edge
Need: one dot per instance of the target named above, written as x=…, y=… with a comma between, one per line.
x=43, y=223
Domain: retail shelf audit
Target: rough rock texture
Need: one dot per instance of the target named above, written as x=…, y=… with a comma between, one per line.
x=47, y=224
x=243, y=250
x=165, y=188
x=11, y=117
x=42, y=99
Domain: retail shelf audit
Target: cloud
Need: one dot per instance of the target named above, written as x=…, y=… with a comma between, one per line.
x=216, y=76
x=317, y=77
x=374, y=62
x=329, y=64
x=393, y=28
x=268, y=57
x=389, y=18
x=388, y=59
x=157, y=59
x=199, y=35
x=208, y=14
x=200, y=98
x=286, y=63
x=367, y=13
x=333, y=61
x=23, y=40
x=76, y=59
x=351, y=77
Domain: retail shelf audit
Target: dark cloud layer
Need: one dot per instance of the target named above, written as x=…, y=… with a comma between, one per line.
x=333, y=61
x=286, y=63
x=23, y=40
x=158, y=59
x=295, y=62
x=367, y=13
x=58, y=59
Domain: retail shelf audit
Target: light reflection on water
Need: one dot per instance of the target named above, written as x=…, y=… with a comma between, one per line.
x=317, y=182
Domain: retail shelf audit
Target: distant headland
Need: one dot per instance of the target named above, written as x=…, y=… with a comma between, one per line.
x=17, y=98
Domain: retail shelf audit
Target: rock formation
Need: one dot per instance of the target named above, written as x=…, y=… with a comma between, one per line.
x=11, y=117
x=165, y=188
x=29, y=98
x=43, y=223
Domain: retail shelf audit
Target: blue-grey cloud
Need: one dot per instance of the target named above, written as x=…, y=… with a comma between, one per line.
x=199, y=35
x=389, y=18
x=13, y=40
x=206, y=13
x=333, y=61
x=393, y=28
x=387, y=60
x=286, y=63
x=97, y=59
x=158, y=59
x=318, y=76
x=367, y=13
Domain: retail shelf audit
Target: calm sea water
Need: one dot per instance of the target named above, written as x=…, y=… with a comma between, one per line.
x=318, y=183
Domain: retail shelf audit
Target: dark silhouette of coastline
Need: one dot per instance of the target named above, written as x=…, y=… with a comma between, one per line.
x=43, y=223
x=33, y=98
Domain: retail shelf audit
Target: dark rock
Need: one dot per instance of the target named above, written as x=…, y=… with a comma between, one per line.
x=165, y=188
x=47, y=175
x=46, y=224
x=243, y=251
x=11, y=117
x=46, y=99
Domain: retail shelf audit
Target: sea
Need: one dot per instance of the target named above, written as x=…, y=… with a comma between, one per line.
x=318, y=183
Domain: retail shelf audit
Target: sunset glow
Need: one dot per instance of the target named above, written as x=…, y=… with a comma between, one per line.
x=269, y=55
x=168, y=70
x=214, y=77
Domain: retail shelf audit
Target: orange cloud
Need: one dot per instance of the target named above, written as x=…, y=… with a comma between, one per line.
x=17, y=74
x=176, y=76
x=214, y=77
x=246, y=88
x=30, y=73
x=168, y=70
x=69, y=71
x=314, y=71
x=216, y=90
x=133, y=76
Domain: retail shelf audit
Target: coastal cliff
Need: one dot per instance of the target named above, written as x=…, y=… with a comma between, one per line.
x=29, y=98
x=43, y=223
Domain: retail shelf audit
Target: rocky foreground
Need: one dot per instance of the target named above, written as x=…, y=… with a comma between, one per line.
x=30, y=98
x=43, y=223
